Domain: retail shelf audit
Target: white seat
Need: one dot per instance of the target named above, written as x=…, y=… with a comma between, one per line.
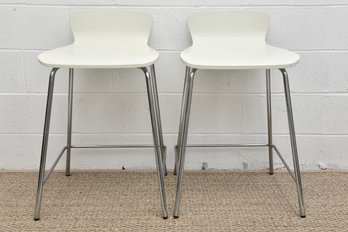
x=99, y=56
x=104, y=39
x=221, y=41
x=242, y=56
x=104, y=42
x=234, y=40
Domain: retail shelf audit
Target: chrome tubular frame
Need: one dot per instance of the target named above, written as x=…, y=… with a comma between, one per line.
x=176, y=151
x=184, y=124
x=70, y=108
x=44, y=144
x=155, y=118
x=160, y=148
x=181, y=146
x=158, y=121
x=269, y=119
x=293, y=142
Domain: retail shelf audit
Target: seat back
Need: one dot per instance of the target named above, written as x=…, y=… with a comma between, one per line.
x=111, y=27
x=228, y=26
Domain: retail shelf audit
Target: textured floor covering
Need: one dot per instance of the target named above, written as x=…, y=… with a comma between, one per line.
x=212, y=201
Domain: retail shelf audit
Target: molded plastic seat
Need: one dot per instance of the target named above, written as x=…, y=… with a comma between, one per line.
x=104, y=43
x=98, y=56
x=221, y=41
x=238, y=56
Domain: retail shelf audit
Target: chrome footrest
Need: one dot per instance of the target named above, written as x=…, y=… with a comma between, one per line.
x=93, y=147
x=241, y=146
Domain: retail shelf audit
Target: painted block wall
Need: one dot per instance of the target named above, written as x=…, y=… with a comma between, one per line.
x=110, y=106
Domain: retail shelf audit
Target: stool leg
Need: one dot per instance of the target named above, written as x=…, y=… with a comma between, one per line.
x=70, y=108
x=183, y=139
x=176, y=153
x=269, y=120
x=183, y=105
x=159, y=162
x=293, y=143
x=159, y=124
x=44, y=144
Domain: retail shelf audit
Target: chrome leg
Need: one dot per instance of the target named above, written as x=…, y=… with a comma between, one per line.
x=269, y=120
x=183, y=106
x=159, y=124
x=176, y=158
x=159, y=162
x=164, y=160
x=70, y=108
x=293, y=143
x=44, y=144
x=183, y=140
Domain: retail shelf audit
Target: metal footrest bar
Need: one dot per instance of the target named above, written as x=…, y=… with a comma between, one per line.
x=114, y=146
x=216, y=145
x=284, y=162
x=243, y=145
x=93, y=147
x=228, y=145
x=55, y=164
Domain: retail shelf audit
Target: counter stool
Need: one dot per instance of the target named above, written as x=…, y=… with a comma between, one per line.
x=104, y=39
x=234, y=40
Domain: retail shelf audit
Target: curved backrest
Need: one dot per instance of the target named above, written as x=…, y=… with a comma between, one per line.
x=228, y=25
x=111, y=25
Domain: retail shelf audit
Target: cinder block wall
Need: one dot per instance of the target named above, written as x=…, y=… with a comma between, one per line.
x=110, y=106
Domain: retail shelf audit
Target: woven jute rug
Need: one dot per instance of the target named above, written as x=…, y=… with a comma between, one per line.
x=211, y=201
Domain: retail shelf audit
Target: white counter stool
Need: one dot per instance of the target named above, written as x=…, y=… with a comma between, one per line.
x=104, y=39
x=234, y=40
